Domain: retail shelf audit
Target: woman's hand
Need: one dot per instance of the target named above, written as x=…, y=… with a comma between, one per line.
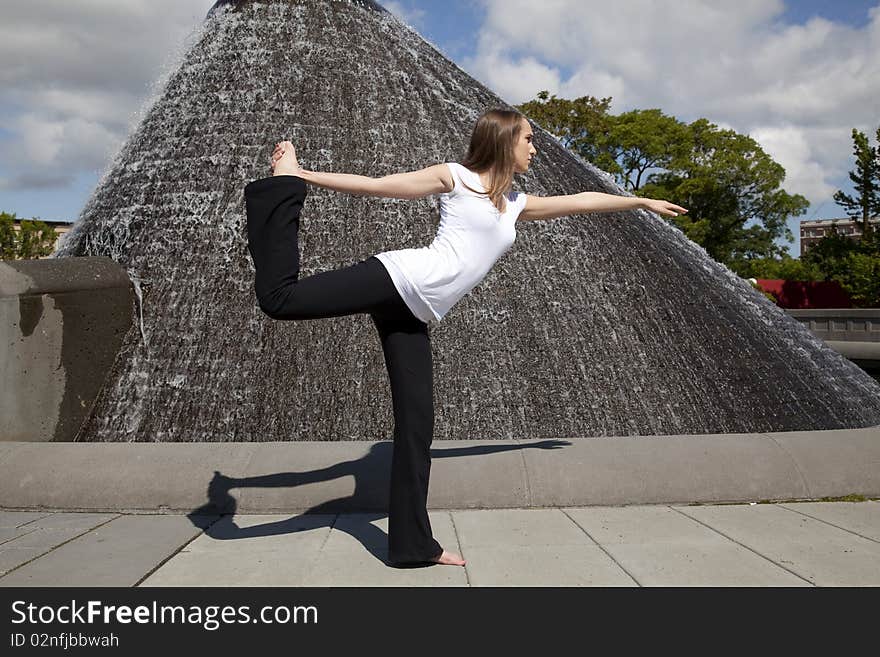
x=284, y=160
x=664, y=208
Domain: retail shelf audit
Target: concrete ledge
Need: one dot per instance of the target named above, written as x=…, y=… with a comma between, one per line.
x=54, y=275
x=353, y=476
x=62, y=322
x=855, y=350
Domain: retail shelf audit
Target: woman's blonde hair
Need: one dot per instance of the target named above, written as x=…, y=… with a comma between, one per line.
x=491, y=149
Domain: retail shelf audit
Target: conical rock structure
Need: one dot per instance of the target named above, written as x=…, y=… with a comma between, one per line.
x=598, y=325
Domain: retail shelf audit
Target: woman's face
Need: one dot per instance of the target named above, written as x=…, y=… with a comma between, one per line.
x=523, y=150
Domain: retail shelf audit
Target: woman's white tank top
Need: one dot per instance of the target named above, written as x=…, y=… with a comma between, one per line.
x=471, y=237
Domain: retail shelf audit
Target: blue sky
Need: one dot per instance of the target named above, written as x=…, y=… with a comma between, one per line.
x=795, y=75
x=851, y=12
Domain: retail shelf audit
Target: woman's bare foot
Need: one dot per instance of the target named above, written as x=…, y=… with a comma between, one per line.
x=284, y=160
x=449, y=559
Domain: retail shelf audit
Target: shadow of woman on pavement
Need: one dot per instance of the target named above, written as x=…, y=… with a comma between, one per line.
x=369, y=500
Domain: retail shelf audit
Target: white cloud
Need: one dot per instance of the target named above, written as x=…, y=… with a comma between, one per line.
x=41, y=140
x=510, y=73
x=590, y=81
x=47, y=143
x=797, y=89
x=74, y=76
x=790, y=147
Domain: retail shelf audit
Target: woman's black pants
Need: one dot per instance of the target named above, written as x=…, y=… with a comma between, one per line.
x=273, y=211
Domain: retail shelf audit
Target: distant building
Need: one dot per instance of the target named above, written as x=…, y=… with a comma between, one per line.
x=813, y=231
x=60, y=227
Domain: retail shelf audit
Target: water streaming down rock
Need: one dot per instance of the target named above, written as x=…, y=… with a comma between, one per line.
x=596, y=325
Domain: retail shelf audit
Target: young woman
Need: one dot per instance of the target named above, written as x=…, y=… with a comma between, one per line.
x=404, y=290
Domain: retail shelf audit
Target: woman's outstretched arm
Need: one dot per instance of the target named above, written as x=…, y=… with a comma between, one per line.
x=435, y=179
x=550, y=207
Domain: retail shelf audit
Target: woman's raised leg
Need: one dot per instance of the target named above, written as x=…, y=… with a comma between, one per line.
x=273, y=212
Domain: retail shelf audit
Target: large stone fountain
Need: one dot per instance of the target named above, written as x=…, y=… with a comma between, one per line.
x=598, y=325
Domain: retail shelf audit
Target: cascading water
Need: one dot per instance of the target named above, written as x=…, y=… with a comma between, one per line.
x=598, y=325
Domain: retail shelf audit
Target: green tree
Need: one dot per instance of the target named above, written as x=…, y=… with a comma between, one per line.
x=8, y=245
x=859, y=275
x=785, y=268
x=582, y=125
x=724, y=179
x=866, y=178
x=830, y=253
x=727, y=181
x=645, y=140
x=35, y=238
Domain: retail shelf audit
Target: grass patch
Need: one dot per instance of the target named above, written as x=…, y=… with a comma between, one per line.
x=852, y=497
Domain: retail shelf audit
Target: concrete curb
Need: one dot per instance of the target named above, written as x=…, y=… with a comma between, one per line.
x=344, y=477
x=854, y=350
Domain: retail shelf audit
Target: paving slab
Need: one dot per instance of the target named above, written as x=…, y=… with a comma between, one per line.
x=369, y=530
x=516, y=527
x=861, y=518
x=9, y=533
x=46, y=539
x=543, y=565
x=660, y=547
x=356, y=553
x=362, y=568
x=352, y=530
x=13, y=519
x=303, y=550
x=636, y=524
x=700, y=563
x=118, y=553
x=44, y=532
x=791, y=544
x=11, y=558
x=812, y=549
x=71, y=520
x=247, y=550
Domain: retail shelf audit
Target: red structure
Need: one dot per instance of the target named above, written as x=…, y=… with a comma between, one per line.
x=806, y=294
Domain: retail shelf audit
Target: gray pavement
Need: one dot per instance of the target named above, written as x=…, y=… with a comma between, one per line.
x=771, y=544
